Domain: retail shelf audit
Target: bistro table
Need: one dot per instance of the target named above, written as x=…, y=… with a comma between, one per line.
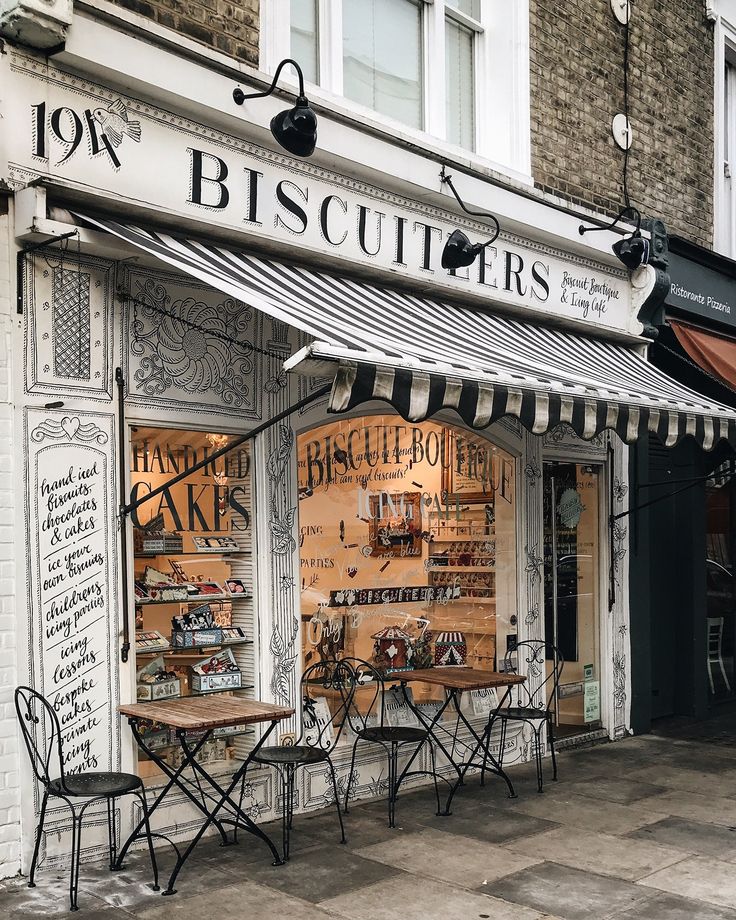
x=198, y=717
x=455, y=681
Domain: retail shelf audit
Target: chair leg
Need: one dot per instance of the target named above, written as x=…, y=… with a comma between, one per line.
x=149, y=837
x=76, y=851
x=337, y=800
x=393, y=758
x=538, y=743
x=287, y=809
x=39, y=831
x=551, y=736
x=351, y=774
x=112, y=836
x=433, y=755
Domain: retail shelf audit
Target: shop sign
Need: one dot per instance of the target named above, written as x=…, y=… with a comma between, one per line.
x=70, y=580
x=592, y=701
x=352, y=597
x=80, y=132
x=570, y=509
x=702, y=291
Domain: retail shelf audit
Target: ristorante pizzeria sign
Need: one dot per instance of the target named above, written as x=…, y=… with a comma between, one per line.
x=71, y=129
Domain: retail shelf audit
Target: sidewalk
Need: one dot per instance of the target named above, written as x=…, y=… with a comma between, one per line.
x=644, y=829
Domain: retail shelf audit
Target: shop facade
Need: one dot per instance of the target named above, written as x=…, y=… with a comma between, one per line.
x=373, y=530
x=683, y=648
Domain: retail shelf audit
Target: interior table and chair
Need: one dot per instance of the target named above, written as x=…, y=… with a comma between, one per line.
x=455, y=681
x=193, y=720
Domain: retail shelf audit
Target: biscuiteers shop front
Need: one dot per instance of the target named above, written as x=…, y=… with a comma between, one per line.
x=434, y=463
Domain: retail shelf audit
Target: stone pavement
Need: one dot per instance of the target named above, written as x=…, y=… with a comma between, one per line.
x=644, y=829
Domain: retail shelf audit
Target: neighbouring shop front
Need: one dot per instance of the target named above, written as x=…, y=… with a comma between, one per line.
x=684, y=654
x=446, y=493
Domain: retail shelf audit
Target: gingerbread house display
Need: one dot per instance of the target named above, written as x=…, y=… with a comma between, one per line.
x=450, y=650
x=393, y=649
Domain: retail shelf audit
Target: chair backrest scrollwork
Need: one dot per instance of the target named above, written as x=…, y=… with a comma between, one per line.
x=41, y=732
x=542, y=663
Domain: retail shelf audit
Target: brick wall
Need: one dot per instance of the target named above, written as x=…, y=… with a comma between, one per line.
x=9, y=766
x=229, y=27
x=577, y=87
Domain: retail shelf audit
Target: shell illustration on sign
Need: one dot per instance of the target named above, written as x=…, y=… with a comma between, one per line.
x=115, y=123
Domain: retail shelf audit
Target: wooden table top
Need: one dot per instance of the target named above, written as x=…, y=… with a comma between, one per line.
x=462, y=678
x=196, y=713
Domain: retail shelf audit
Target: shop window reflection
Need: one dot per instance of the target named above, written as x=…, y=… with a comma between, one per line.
x=720, y=619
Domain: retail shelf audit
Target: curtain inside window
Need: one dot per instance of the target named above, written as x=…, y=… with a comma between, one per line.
x=382, y=57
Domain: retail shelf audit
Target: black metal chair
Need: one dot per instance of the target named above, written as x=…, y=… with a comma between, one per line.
x=42, y=736
x=320, y=732
x=533, y=706
x=368, y=721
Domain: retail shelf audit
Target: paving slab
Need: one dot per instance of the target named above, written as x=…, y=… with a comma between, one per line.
x=563, y=806
x=623, y=791
x=319, y=872
x=702, y=781
x=409, y=898
x=494, y=825
x=463, y=861
x=568, y=893
x=600, y=853
x=50, y=898
x=699, y=877
x=673, y=907
x=236, y=902
x=693, y=837
x=710, y=809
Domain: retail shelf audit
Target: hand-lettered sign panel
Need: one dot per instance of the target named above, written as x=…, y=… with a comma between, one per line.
x=73, y=622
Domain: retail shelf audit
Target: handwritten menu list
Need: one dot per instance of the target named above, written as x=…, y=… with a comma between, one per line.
x=73, y=592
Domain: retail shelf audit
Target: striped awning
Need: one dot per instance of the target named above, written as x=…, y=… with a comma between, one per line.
x=422, y=356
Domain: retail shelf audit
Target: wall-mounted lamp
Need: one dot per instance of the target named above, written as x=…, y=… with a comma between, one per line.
x=632, y=250
x=294, y=129
x=459, y=252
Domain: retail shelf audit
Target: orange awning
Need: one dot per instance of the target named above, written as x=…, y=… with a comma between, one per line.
x=716, y=354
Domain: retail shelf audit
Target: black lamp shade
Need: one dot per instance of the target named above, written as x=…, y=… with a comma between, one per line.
x=459, y=252
x=296, y=129
x=633, y=251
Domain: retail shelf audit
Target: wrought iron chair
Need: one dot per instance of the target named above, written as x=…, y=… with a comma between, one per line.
x=370, y=724
x=320, y=732
x=42, y=736
x=534, y=698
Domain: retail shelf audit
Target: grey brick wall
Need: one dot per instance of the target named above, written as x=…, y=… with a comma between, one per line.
x=231, y=28
x=577, y=87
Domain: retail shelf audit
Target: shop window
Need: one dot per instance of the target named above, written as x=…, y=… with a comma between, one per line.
x=193, y=571
x=428, y=65
x=407, y=546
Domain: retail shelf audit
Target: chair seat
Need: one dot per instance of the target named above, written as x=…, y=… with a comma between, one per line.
x=94, y=784
x=521, y=712
x=293, y=754
x=392, y=733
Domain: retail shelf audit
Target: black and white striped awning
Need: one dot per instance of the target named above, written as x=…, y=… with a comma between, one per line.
x=422, y=356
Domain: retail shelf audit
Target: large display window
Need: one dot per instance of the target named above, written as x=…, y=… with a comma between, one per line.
x=407, y=545
x=193, y=580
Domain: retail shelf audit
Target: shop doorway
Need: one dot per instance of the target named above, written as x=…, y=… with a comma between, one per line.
x=572, y=589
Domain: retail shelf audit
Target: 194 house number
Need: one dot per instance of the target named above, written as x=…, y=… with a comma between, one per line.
x=63, y=130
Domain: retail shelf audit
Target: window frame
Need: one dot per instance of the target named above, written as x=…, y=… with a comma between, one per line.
x=500, y=60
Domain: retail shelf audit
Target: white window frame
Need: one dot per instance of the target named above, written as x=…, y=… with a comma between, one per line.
x=501, y=75
x=724, y=185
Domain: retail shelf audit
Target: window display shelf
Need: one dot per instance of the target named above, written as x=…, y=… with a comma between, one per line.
x=192, y=652
x=460, y=568
x=203, y=599
x=205, y=554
